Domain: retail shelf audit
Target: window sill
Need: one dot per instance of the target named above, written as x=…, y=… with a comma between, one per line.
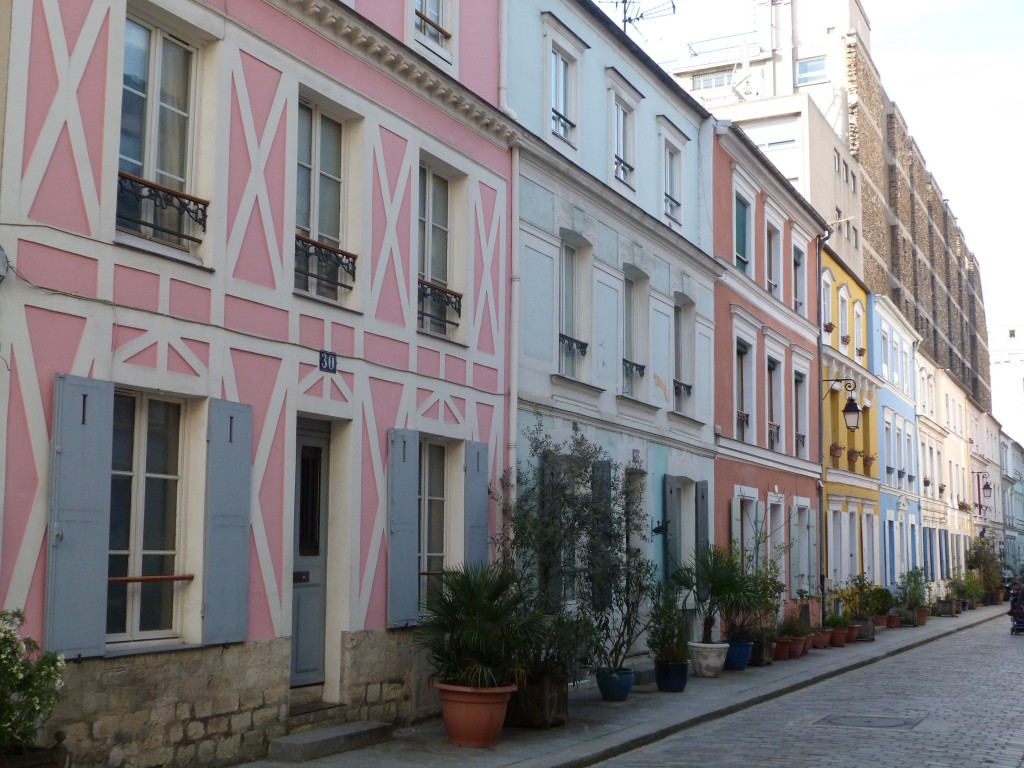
x=567, y=383
x=436, y=51
x=633, y=407
x=679, y=418
x=440, y=337
x=325, y=301
x=154, y=248
x=164, y=645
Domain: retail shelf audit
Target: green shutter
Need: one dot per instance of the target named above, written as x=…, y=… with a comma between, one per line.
x=702, y=513
x=736, y=530
x=741, y=233
x=78, y=534
x=794, y=552
x=812, y=541
x=672, y=521
x=603, y=547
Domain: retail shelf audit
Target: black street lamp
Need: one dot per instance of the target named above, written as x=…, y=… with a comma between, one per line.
x=851, y=411
x=983, y=490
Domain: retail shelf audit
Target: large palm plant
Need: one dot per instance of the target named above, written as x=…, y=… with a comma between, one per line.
x=478, y=623
x=715, y=579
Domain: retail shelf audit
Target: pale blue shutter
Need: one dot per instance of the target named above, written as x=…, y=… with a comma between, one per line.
x=759, y=526
x=812, y=540
x=78, y=534
x=794, y=552
x=736, y=531
x=477, y=498
x=403, y=527
x=228, y=514
x=701, y=512
x=672, y=521
x=603, y=544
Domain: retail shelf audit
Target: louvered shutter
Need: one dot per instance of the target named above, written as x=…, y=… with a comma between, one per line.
x=403, y=527
x=478, y=535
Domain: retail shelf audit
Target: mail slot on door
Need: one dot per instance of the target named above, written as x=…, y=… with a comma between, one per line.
x=300, y=577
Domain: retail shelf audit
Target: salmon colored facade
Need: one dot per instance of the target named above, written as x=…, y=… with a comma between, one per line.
x=767, y=470
x=296, y=243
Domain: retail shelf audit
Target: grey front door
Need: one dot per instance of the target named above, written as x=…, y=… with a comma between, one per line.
x=310, y=567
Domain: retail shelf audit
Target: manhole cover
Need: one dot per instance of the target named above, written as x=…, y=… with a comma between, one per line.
x=869, y=721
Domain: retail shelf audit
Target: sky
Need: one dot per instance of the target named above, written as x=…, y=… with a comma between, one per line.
x=955, y=70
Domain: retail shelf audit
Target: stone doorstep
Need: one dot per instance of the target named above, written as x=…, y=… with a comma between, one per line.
x=310, y=745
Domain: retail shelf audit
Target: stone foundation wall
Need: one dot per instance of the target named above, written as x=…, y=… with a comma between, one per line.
x=198, y=707
x=385, y=676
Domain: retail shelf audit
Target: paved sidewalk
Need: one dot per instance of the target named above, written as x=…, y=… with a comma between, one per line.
x=598, y=730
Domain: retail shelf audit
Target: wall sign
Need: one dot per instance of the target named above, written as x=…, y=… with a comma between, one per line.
x=328, y=361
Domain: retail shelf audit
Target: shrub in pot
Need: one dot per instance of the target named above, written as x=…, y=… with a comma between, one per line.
x=840, y=626
x=478, y=620
x=667, y=640
x=910, y=595
x=31, y=682
x=880, y=602
x=714, y=581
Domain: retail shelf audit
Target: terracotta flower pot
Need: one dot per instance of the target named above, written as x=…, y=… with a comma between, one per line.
x=473, y=717
x=822, y=638
x=892, y=620
x=852, y=632
x=881, y=621
x=838, y=637
x=796, y=647
x=782, y=646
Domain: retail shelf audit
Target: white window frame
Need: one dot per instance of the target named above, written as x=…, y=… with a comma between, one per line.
x=425, y=244
x=158, y=37
x=624, y=103
x=312, y=284
x=858, y=325
x=885, y=354
x=745, y=331
x=843, y=311
x=743, y=188
x=442, y=47
x=673, y=143
x=773, y=255
x=808, y=71
x=136, y=552
x=561, y=40
x=827, y=281
x=424, y=516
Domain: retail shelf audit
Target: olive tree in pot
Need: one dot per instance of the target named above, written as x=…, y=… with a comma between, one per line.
x=714, y=581
x=478, y=621
x=667, y=640
x=546, y=503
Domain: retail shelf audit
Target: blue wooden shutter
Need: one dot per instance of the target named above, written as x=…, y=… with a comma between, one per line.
x=794, y=551
x=228, y=514
x=812, y=563
x=701, y=511
x=552, y=564
x=403, y=527
x=736, y=521
x=672, y=521
x=477, y=503
x=78, y=535
x=603, y=547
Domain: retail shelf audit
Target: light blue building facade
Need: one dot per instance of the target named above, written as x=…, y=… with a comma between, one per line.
x=904, y=543
x=613, y=276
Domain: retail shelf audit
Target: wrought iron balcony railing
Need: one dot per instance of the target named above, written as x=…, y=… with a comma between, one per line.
x=322, y=264
x=436, y=304
x=158, y=212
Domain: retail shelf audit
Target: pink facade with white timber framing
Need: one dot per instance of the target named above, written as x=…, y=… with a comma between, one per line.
x=267, y=217
x=767, y=470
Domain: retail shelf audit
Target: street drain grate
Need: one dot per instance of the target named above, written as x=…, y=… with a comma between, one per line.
x=869, y=721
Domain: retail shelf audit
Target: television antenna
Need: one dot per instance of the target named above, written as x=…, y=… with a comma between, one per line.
x=632, y=11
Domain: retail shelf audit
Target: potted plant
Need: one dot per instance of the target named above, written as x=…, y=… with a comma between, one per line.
x=714, y=581
x=942, y=488
x=30, y=685
x=910, y=595
x=972, y=589
x=869, y=460
x=839, y=625
x=861, y=351
x=984, y=561
x=964, y=506
x=477, y=621
x=845, y=339
x=750, y=621
x=858, y=605
x=835, y=450
x=615, y=596
x=547, y=503
x=880, y=602
x=667, y=640
x=829, y=327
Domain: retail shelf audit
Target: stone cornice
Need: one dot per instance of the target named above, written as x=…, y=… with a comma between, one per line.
x=367, y=42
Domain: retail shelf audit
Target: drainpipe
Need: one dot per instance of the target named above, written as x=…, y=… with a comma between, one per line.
x=503, y=104
x=821, y=240
x=513, y=329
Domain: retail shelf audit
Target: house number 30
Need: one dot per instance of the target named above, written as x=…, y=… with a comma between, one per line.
x=328, y=361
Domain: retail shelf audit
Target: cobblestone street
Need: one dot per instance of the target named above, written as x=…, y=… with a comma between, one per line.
x=955, y=702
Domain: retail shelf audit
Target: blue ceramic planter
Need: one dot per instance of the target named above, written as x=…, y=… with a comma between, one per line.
x=614, y=685
x=738, y=656
x=671, y=676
